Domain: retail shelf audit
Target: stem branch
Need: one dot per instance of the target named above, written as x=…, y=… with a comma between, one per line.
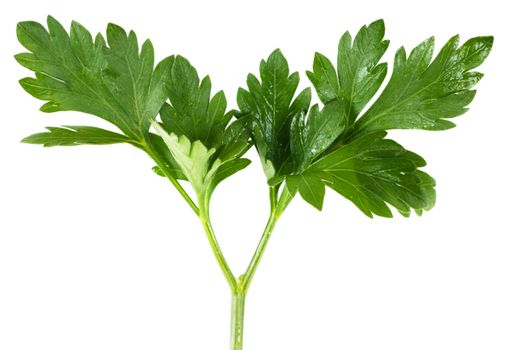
x=223, y=264
x=277, y=207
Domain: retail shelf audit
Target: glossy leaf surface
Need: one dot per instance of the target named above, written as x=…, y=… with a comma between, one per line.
x=423, y=93
x=372, y=172
x=270, y=106
x=358, y=75
x=115, y=81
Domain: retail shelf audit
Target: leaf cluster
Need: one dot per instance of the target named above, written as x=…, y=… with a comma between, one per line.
x=343, y=144
x=113, y=78
x=169, y=112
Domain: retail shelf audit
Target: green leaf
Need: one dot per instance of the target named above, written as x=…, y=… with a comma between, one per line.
x=198, y=164
x=197, y=130
x=76, y=135
x=310, y=187
x=165, y=158
x=372, y=172
x=193, y=157
x=324, y=79
x=311, y=137
x=114, y=81
x=304, y=148
x=226, y=170
x=423, y=93
x=236, y=140
x=270, y=106
x=358, y=75
x=157, y=170
x=191, y=112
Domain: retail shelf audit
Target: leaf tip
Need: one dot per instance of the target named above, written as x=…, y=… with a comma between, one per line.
x=19, y=57
x=377, y=25
x=277, y=58
x=401, y=56
x=114, y=33
x=20, y=29
x=454, y=41
x=181, y=61
x=276, y=52
x=346, y=36
x=51, y=20
x=50, y=107
x=27, y=140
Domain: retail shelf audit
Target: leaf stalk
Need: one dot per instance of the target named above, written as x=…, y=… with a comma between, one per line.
x=170, y=177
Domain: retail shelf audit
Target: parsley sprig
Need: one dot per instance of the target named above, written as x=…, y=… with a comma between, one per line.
x=166, y=110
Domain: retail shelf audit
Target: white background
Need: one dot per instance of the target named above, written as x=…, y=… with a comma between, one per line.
x=96, y=252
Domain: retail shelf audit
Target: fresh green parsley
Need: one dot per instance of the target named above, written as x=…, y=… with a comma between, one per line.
x=170, y=113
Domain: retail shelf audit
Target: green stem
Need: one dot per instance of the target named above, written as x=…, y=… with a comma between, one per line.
x=239, y=287
x=277, y=208
x=237, y=320
x=223, y=264
x=201, y=212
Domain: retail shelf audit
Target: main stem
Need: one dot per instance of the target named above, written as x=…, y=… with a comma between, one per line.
x=237, y=320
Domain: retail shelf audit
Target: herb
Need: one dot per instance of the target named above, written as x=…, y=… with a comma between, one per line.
x=169, y=113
